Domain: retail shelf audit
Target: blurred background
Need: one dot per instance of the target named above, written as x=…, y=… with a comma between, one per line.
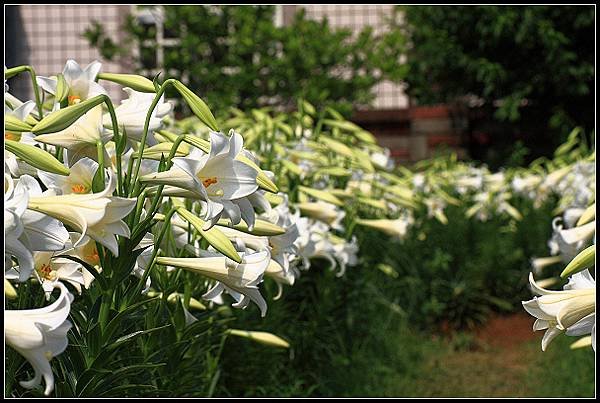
x=495, y=85
x=501, y=85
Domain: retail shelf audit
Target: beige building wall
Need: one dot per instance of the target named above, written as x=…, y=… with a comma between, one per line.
x=54, y=33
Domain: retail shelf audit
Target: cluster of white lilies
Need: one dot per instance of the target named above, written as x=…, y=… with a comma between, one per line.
x=571, y=310
x=95, y=194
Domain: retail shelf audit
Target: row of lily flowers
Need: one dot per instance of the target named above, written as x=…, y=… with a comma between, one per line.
x=108, y=176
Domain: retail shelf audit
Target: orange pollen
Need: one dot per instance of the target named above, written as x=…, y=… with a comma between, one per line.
x=79, y=188
x=93, y=257
x=45, y=270
x=74, y=99
x=209, y=181
x=10, y=136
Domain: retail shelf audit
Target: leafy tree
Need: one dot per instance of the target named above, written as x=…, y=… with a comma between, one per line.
x=236, y=56
x=530, y=69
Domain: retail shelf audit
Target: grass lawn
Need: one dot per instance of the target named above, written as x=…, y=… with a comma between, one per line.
x=499, y=361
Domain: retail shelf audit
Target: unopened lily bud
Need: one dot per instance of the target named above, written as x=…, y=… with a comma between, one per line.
x=133, y=81
x=582, y=261
x=321, y=195
x=197, y=105
x=262, y=179
x=308, y=108
x=36, y=157
x=261, y=227
x=342, y=124
x=334, y=171
x=163, y=149
x=62, y=88
x=337, y=147
x=265, y=338
x=63, y=118
x=588, y=215
x=9, y=290
x=213, y=236
x=581, y=343
x=14, y=124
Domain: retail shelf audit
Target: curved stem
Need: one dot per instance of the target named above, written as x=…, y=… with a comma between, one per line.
x=118, y=140
x=157, y=242
x=133, y=178
x=36, y=91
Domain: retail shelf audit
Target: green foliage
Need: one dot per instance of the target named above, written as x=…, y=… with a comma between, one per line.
x=236, y=56
x=531, y=67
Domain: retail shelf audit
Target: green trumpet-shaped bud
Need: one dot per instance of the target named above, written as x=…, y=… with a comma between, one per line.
x=133, y=81
x=321, y=195
x=9, y=290
x=36, y=157
x=62, y=88
x=14, y=124
x=261, y=227
x=588, y=215
x=213, y=236
x=268, y=339
x=63, y=118
x=197, y=105
x=582, y=261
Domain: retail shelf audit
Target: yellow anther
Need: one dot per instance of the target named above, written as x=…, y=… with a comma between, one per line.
x=79, y=188
x=209, y=181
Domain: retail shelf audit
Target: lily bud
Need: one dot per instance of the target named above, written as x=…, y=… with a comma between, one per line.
x=36, y=157
x=265, y=338
x=582, y=261
x=9, y=290
x=322, y=195
x=261, y=227
x=588, y=215
x=133, y=81
x=14, y=124
x=197, y=105
x=213, y=236
x=62, y=88
x=63, y=118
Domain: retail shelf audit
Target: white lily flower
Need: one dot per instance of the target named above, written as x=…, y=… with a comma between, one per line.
x=327, y=212
x=396, y=228
x=131, y=114
x=568, y=310
x=240, y=280
x=78, y=181
x=98, y=215
x=144, y=259
x=15, y=205
x=51, y=269
x=81, y=137
x=217, y=178
x=20, y=112
x=82, y=84
x=85, y=250
x=39, y=335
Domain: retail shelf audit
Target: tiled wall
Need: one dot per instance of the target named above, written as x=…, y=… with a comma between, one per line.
x=355, y=17
x=54, y=33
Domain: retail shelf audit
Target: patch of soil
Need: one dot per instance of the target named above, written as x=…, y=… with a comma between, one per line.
x=508, y=330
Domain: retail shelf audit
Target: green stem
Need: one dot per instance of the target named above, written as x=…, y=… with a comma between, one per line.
x=115, y=127
x=36, y=91
x=157, y=242
x=100, y=151
x=133, y=178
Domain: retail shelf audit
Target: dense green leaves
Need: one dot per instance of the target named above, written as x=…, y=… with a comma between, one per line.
x=236, y=56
